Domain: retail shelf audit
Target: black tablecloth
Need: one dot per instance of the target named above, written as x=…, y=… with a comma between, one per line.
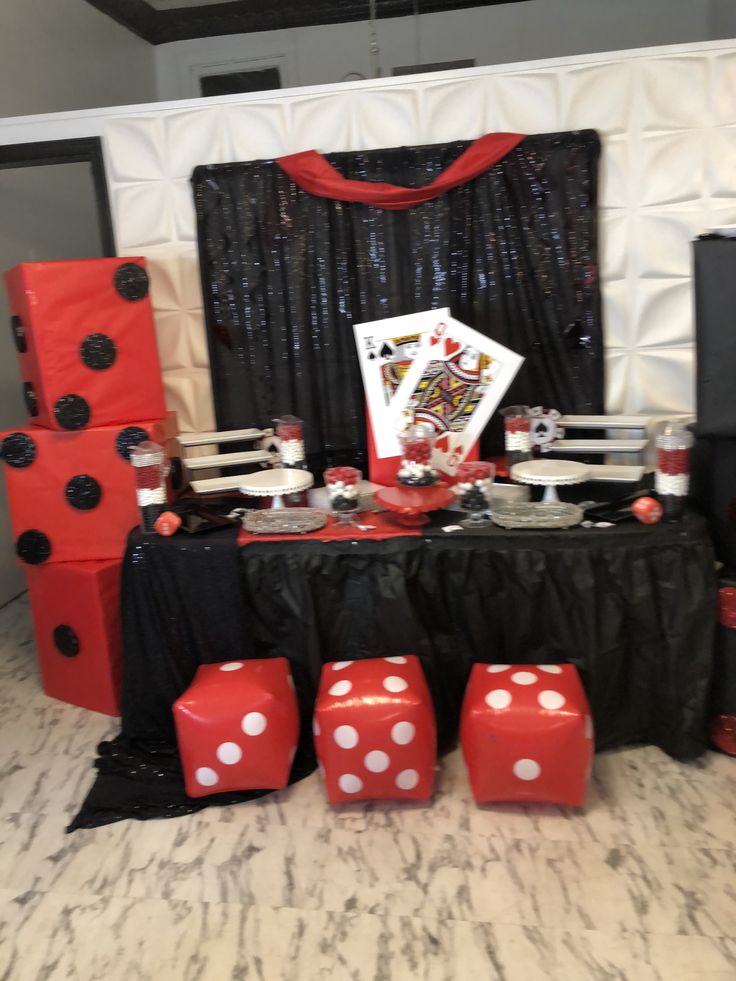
x=633, y=607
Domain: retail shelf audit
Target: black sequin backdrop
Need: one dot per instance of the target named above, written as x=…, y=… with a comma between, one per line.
x=286, y=274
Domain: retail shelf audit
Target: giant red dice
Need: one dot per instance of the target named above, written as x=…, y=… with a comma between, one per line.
x=86, y=342
x=72, y=495
x=237, y=726
x=527, y=733
x=374, y=730
x=75, y=608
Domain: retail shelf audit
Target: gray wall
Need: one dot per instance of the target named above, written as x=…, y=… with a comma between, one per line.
x=64, y=54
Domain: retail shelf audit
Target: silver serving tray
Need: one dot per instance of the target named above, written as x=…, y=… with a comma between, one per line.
x=284, y=521
x=545, y=514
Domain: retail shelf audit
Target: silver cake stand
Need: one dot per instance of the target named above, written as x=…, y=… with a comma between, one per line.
x=550, y=474
x=276, y=484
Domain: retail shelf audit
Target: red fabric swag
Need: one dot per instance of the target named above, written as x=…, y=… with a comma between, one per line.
x=311, y=171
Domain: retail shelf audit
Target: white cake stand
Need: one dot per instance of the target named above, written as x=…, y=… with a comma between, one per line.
x=276, y=483
x=550, y=474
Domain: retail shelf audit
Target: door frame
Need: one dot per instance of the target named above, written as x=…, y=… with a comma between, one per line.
x=84, y=150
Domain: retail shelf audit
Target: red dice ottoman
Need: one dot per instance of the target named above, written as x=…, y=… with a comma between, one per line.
x=237, y=726
x=527, y=733
x=374, y=730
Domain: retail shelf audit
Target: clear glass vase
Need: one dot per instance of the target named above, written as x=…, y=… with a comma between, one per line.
x=517, y=421
x=672, y=477
x=343, y=490
x=417, y=444
x=473, y=490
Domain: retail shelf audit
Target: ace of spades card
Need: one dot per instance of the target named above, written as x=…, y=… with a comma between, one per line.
x=386, y=349
x=455, y=383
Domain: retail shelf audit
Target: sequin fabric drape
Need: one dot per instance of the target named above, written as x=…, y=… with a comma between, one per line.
x=286, y=274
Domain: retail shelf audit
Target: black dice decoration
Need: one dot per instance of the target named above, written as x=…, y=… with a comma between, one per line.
x=98, y=352
x=31, y=399
x=72, y=412
x=33, y=547
x=18, y=450
x=66, y=641
x=127, y=438
x=131, y=281
x=19, y=334
x=83, y=492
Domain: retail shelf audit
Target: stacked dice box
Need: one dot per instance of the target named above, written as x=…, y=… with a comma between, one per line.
x=713, y=457
x=91, y=378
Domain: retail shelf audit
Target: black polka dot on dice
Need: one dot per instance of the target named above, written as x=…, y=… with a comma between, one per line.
x=33, y=547
x=30, y=398
x=98, y=352
x=18, y=450
x=72, y=412
x=19, y=334
x=83, y=492
x=66, y=641
x=131, y=281
x=127, y=438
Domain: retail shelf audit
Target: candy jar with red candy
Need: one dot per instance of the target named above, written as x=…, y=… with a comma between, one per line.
x=473, y=489
x=517, y=421
x=149, y=464
x=343, y=492
x=290, y=431
x=415, y=469
x=672, y=479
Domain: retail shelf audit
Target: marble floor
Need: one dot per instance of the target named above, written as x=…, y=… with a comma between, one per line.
x=640, y=884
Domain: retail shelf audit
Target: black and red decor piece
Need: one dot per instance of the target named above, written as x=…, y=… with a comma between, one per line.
x=86, y=342
x=75, y=613
x=73, y=495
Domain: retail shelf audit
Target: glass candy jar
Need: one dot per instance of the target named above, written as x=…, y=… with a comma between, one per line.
x=473, y=489
x=415, y=469
x=517, y=421
x=290, y=431
x=343, y=492
x=672, y=479
x=151, y=470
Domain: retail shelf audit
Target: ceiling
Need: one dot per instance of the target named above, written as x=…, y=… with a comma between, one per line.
x=161, y=21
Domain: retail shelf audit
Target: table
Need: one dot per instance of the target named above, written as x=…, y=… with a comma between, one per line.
x=633, y=607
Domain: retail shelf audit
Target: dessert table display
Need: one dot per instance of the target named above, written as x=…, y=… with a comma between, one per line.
x=632, y=607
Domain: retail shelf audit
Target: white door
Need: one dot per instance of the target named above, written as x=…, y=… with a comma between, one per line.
x=47, y=212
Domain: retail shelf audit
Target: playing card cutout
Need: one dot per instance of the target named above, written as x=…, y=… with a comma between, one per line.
x=454, y=386
x=386, y=349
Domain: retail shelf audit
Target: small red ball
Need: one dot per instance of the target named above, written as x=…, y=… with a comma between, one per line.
x=647, y=510
x=167, y=524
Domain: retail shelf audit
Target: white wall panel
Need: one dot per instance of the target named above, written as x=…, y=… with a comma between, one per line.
x=667, y=117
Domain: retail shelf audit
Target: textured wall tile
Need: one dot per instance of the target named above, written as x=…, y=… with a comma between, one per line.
x=613, y=191
x=616, y=302
x=662, y=381
x=143, y=215
x=663, y=313
x=185, y=223
x=258, y=131
x=174, y=346
x=597, y=97
x=196, y=136
x=723, y=95
x=614, y=226
x=460, y=110
x=189, y=394
x=660, y=241
x=528, y=103
x=385, y=119
x=669, y=169
x=134, y=149
x=672, y=93
x=324, y=124
x=721, y=162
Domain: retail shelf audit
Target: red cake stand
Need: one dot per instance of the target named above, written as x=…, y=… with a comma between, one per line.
x=409, y=505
